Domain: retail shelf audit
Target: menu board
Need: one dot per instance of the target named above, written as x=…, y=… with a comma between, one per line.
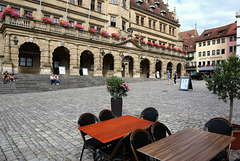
x=185, y=83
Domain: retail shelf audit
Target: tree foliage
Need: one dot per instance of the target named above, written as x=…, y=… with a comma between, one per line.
x=225, y=82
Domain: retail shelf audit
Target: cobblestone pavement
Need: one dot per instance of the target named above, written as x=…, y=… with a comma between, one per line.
x=43, y=126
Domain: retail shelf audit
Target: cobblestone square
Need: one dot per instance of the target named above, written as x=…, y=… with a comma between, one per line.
x=43, y=126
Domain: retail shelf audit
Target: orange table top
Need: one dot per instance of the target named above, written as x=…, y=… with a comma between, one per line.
x=188, y=144
x=116, y=128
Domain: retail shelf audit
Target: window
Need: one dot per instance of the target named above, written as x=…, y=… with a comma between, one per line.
x=92, y=5
x=150, y=23
x=92, y=27
x=160, y=27
x=203, y=63
x=164, y=28
x=170, y=30
x=218, y=41
x=124, y=3
x=154, y=25
x=2, y=8
x=199, y=63
x=204, y=53
x=208, y=53
x=98, y=29
x=218, y=52
x=113, y=21
x=199, y=54
x=80, y=2
x=142, y=21
x=213, y=52
x=99, y=7
x=232, y=49
x=208, y=63
x=47, y=16
x=123, y=25
x=218, y=61
x=17, y=10
x=223, y=40
x=213, y=42
x=25, y=61
x=213, y=62
x=71, y=1
x=173, y=31
x=200, y=44
x=204, y=43
x=137, y=20
x=27, y=12
x=114, y=1
x=56, y=19
x=223, y=51
x=208, y=42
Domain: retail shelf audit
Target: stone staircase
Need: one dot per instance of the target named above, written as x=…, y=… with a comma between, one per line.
x=26, y=83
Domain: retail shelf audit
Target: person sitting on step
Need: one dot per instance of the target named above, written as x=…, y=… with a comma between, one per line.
x=12, y=76
x=56, y=80
x=52, y=79
x=5, y=75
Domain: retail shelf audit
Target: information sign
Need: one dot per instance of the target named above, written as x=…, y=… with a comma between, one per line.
x=62, y=70
x=185, y=83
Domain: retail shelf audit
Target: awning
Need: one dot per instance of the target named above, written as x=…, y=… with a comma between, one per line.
x=207, y=68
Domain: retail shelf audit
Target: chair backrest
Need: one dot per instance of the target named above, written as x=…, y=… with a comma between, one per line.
x=237, y=159
x=138, y=139
x=159, y=131
x=106, y=115
x=219, y=125
x=86, y=119
x=150, y=114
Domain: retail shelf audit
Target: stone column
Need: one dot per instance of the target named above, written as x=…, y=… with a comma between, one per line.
x=126, y=64
x=7, y=62
x=98, y=62
x=164, y=68
x=152, y=71
x=136, y=67
x=45, y=63
x=73, y=53
x=117, y=64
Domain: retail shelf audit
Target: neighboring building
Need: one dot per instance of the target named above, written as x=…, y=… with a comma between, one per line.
x=29, y=45
x=189, y=44
x=238, y=33
x=215, y=45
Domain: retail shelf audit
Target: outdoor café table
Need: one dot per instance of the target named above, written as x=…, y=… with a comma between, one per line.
x=187, y=145
x=109, y=130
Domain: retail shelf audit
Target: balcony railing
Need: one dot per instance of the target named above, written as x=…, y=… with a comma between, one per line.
x=56, y=28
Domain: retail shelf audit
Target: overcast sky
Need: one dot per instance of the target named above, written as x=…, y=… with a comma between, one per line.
x=206, y=13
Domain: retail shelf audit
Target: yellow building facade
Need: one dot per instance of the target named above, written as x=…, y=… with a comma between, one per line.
x=30, y=45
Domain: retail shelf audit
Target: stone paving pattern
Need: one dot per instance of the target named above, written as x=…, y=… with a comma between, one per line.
x=43, y=126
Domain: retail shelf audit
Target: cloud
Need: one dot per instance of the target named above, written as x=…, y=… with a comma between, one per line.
x=207, y=14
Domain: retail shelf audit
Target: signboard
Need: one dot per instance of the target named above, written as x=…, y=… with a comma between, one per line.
x=62, y=70
x=185, y=83
x=84, y=71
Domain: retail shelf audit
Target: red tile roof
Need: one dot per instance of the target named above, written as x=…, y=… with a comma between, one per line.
x=187, y=34
x=190, y=42
x=145, y=6
x=219, y=32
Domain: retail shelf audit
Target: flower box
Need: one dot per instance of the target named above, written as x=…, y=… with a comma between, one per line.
x=11, y=12
x=79, y=27
x=123, y=38
x=47, y=20
x=64, y=24
x=116, y=36
x=104, y=33
x=92, y=30
x=149, y=43
x=29, y=16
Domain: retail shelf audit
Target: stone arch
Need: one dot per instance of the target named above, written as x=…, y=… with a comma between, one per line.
x=60, y=57
x=158, y=69
x=29, y=58
x=144, y=68
x=169, y=68
x=87, y=61
x=127, y=67
x=108, y=65
x=179, y=70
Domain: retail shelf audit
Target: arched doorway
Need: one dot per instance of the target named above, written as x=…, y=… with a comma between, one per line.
x=127, y=66
x=144, y=68
x=158, y=69
x=108, y=65
x=87, y=61
x=61, y=58
x=179, y=67
x=169, y=68
x=29, y=58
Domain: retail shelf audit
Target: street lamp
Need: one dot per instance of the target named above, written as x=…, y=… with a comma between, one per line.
x=15, y=40
x=121, y=55
x=103, y=53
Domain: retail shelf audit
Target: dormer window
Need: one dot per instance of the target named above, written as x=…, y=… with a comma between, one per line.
x=220, y=32
x=139, y=1
x=163, y=12
x=157, y=3
x=206, y=35
x=152, y=6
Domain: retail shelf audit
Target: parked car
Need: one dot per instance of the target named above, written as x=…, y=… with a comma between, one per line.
x=200, y=76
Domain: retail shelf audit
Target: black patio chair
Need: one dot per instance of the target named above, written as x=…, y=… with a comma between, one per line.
x=222, y=126
x=91, y=143
x=106, y=115
x=237, y=159
x=121, y=151
x=159, y=131
x=138, y=139
x=150, y=114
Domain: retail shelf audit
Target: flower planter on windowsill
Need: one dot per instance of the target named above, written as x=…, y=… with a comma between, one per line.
x=236, y=133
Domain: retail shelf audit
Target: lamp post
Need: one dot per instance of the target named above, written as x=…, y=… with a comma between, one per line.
x=15, y=40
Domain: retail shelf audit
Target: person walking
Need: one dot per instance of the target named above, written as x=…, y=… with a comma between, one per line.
x=168, y=77
x=175, y=77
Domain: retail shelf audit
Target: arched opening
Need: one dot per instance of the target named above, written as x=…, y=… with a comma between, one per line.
x=158, y=69
x=144, y=68
x=179, y=67
x=87, y=62
x=108, y=65
x=61, y=58
x=29, y=58
x=169, y=68
x=127, y=67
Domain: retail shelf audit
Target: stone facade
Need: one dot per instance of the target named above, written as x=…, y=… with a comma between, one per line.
x=33, y=46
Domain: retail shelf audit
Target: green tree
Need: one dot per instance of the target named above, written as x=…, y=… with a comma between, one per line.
x=225, y=82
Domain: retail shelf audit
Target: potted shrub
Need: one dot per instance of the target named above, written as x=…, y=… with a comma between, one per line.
x=118, y=89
